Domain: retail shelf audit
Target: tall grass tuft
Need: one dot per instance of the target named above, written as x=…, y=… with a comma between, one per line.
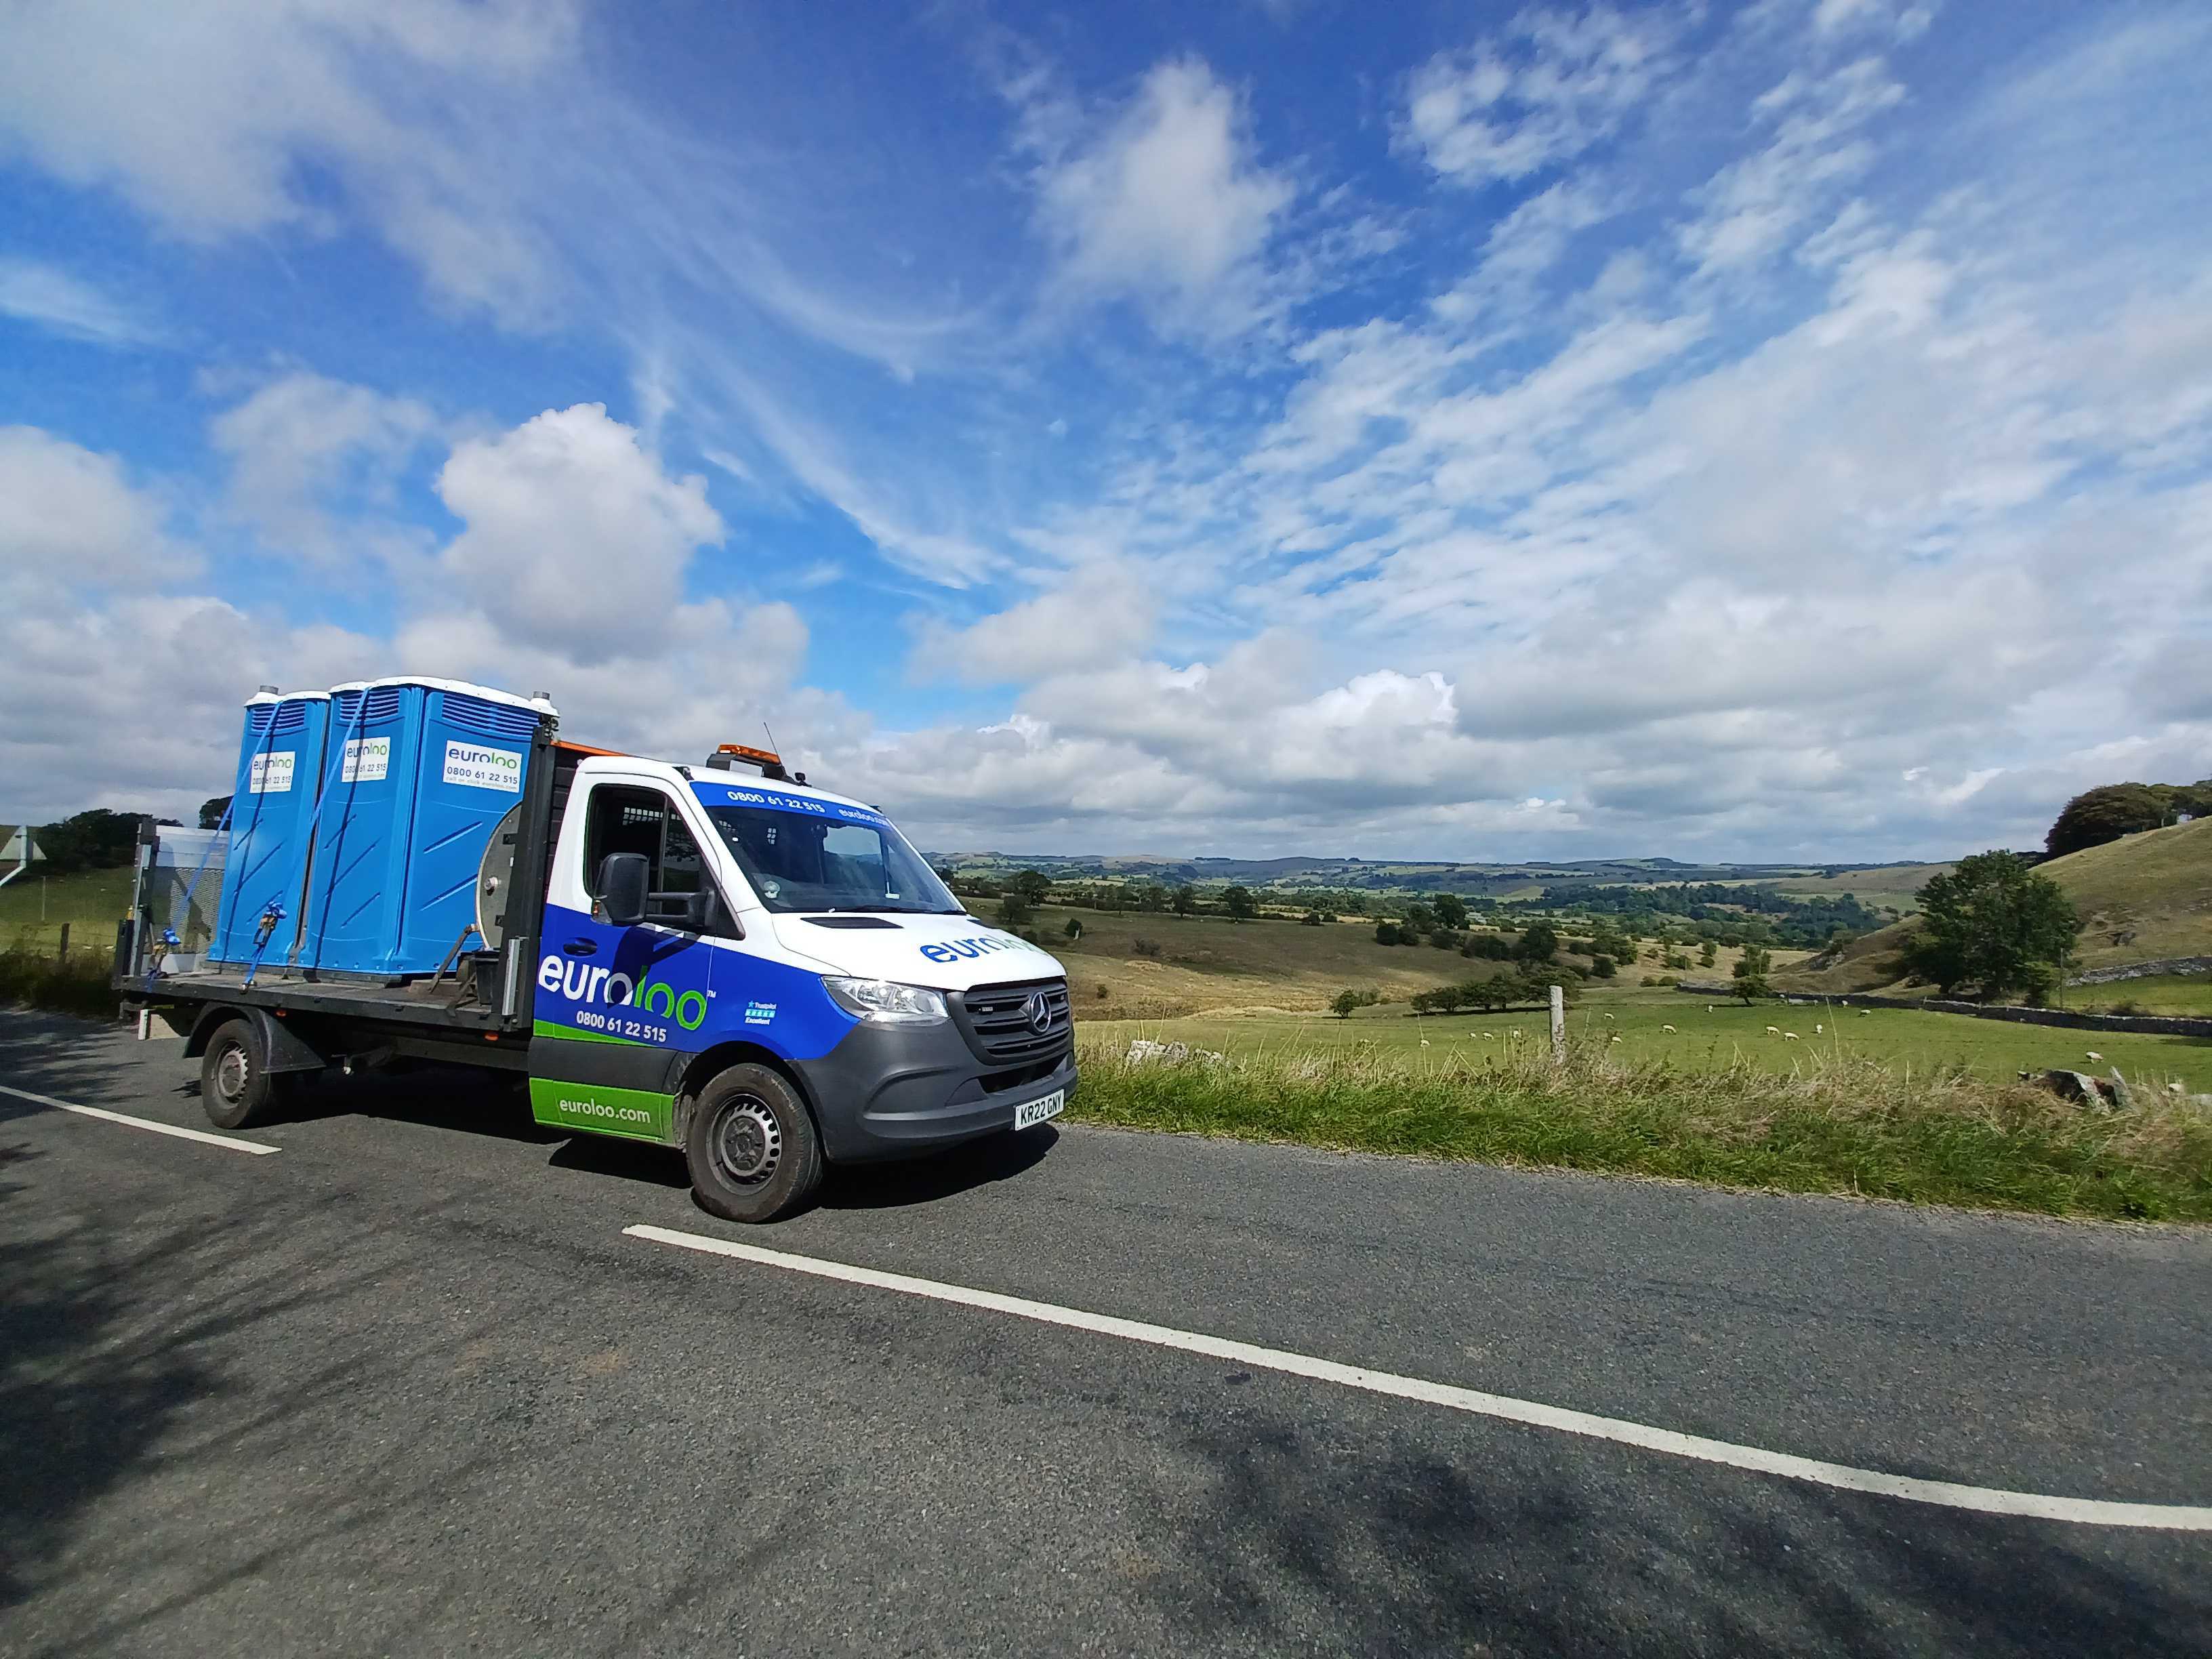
x=1839, y=1124
x=31, y=974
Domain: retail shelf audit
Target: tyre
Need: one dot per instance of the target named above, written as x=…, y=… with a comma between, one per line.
x=236, y=1089
x=753, y=1151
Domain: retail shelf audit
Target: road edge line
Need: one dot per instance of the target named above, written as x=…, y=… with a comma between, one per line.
x=123, y=1118
x=1988, y=1500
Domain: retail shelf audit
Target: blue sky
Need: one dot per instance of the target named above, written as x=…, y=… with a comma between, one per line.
x=1776, y=431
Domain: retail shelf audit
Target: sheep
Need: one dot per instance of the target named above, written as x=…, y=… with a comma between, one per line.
x=1864, y=1012
x=2093, y=1054
x=1774, y=1030
x=1616, y=1039
x=1608, y=1018
x=1792, y=1037
x=1816, y=1030
x=1425, y=1042
x=1666, y=1028
x=2175, y=1089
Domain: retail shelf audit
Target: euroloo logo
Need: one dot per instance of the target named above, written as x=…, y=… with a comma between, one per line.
x=579, y=982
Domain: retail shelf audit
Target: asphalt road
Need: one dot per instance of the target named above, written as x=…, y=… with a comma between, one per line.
x=407, y=1387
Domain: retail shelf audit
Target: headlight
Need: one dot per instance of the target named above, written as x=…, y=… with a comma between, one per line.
x=882, y=1002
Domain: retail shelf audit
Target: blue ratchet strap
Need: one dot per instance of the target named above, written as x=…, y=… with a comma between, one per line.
x=315, y=823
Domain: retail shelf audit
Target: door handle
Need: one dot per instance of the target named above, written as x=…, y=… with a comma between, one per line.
x=581, y=947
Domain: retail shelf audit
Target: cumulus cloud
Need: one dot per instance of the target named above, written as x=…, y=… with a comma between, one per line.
x=304, y=448
x=1165, y=199
x=576, y=537
x=1101, y=614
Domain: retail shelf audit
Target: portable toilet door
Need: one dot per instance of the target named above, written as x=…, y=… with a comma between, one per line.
x=368, y=789
x=280, y=758
x=475, y=752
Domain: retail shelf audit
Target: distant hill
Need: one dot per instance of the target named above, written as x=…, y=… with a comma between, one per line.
x=2142, y=898
x=1473, y=880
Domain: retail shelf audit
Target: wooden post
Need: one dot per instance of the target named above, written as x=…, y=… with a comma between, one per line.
x=1558, y=1025
x=61, y=956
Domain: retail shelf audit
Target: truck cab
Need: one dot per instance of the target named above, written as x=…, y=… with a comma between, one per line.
x=742, y=965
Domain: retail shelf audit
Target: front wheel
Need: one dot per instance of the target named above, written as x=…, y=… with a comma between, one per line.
x=752, y=1147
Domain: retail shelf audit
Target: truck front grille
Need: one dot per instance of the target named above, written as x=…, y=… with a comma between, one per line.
x=1000, y=1024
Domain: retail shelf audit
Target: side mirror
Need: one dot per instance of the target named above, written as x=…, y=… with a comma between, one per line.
x=623, y=878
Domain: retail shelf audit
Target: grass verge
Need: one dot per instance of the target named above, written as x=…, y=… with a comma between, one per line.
x=78, y=986
x=1848, y=1125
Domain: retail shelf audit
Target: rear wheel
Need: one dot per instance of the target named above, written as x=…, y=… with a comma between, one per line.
x=237, y=1090
x=752, y=1148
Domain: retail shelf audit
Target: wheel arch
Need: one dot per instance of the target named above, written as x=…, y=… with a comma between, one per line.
x=284, y=1048
x=711, y=1063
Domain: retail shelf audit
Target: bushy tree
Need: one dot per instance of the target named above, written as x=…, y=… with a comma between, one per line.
x=1706, y=954
x=1014, y=911
x=1185, y=900
x=1419, y=919
x=1750, y=970
x=1386, y=932
x=1539, y=942
x=98, y=840
x=1343, y=1003
x=1487, y=947
x=1602, y=966
x=1452, y=911
x=1240, y=904
x=2097, y=816
x=1311, y=919
x=1995, y=922
x=1033, y=885
x=212, y=811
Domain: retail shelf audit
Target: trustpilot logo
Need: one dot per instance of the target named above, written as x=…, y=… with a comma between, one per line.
x=579, y=982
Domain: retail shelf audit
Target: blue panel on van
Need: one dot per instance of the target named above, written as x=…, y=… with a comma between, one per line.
x=474, y=751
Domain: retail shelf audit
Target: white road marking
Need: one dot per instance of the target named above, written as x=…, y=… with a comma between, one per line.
x=142, y=1123
x=1990, y=1500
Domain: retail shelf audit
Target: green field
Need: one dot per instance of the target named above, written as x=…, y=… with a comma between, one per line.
x=91, y=902
x=1900, y=1039
x=2154, y=993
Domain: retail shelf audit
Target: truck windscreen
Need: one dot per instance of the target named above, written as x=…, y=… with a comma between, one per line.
x=798, y=863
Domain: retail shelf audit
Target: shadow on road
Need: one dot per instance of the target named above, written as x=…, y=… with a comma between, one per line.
x=1537, y=1553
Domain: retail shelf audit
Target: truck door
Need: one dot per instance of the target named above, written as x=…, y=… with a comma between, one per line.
x=621, y=1010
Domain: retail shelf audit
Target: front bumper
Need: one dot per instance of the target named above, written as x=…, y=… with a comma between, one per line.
x=897, y=1091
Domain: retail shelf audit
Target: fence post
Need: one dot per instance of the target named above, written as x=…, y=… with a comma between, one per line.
x=61, y=956
x=1559, y=1024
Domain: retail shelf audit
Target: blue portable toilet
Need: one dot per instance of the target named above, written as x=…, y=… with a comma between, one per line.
x=475, y=750
x=280, y=759
x=368, y=801
x=417, y=776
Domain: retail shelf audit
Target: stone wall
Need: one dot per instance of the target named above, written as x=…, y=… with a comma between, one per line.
x=2143, y=970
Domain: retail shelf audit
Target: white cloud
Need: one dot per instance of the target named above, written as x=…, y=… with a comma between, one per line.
x=1544, y=90
x=70, y=517
x=52, y=299
x=576, y=537
x=1100, y=615
x=1166, y=200
x=303, y=445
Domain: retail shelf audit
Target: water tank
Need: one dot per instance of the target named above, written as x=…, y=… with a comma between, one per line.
x=280, y=758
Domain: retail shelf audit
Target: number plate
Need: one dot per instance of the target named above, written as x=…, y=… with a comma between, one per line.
x=1036, y=1111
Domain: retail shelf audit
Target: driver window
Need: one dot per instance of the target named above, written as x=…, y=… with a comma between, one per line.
x=634, y=820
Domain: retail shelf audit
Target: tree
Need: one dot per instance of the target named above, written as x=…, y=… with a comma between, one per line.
x=2097, y=816
x=1343, y=1003
x=1602, y=966
x=1996, y=922
x=1538, y=943
x=1386, y=932
x=1014, y=911
x=98, y=840
x=1451, y=912
x=1240, y=904
x=1751, y=971
x=1185, y=900
x=1706, y=953
x=1419, y=919
x=212, y=811
x=1034, y=885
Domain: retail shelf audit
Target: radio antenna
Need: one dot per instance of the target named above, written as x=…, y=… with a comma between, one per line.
x=771, y=739
x=796, y=777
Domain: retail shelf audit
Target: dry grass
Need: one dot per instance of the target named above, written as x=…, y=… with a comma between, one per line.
x=1844, y=1126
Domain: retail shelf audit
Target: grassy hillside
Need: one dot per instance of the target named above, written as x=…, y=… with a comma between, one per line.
x=1208, y=965
x=1892, y=884
x=2142, y=898
x=92, y=902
